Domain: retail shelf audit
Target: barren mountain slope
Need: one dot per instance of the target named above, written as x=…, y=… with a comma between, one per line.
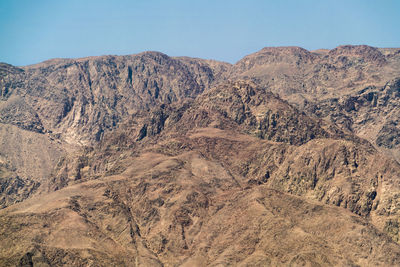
x=188, y=211
x=372, y=113
x=355, y=87
x=204, y=191
x=50, y=109
x=79, y=99
x=150, y=160
x=315, y=75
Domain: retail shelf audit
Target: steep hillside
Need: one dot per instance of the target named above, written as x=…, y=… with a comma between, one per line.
x=352, y=86
x=293, y=71
x=372, y=113
x=288, y=157
x=49, y=110
x=80, y=99
x=181, y=194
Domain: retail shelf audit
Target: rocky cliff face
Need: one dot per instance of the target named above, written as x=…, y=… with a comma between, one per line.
x=288, y=157
x=371, y=113
x=292, y=71
x=80, y=99
x=352, y=86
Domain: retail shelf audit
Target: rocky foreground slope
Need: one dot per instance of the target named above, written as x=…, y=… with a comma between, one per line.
x=288, y=157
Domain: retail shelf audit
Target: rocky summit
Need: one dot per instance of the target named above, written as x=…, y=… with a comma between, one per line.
x=287, y=158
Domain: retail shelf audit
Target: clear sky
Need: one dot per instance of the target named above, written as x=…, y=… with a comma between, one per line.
x=35, y=30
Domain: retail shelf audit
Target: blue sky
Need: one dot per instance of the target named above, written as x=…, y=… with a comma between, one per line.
x=33, y=31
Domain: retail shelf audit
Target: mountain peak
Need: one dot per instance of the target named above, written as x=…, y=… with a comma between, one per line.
x=364, y=52
x=285, y=49
x=287, y=54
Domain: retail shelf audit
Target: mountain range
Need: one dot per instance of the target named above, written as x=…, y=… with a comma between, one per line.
x=288, y=157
